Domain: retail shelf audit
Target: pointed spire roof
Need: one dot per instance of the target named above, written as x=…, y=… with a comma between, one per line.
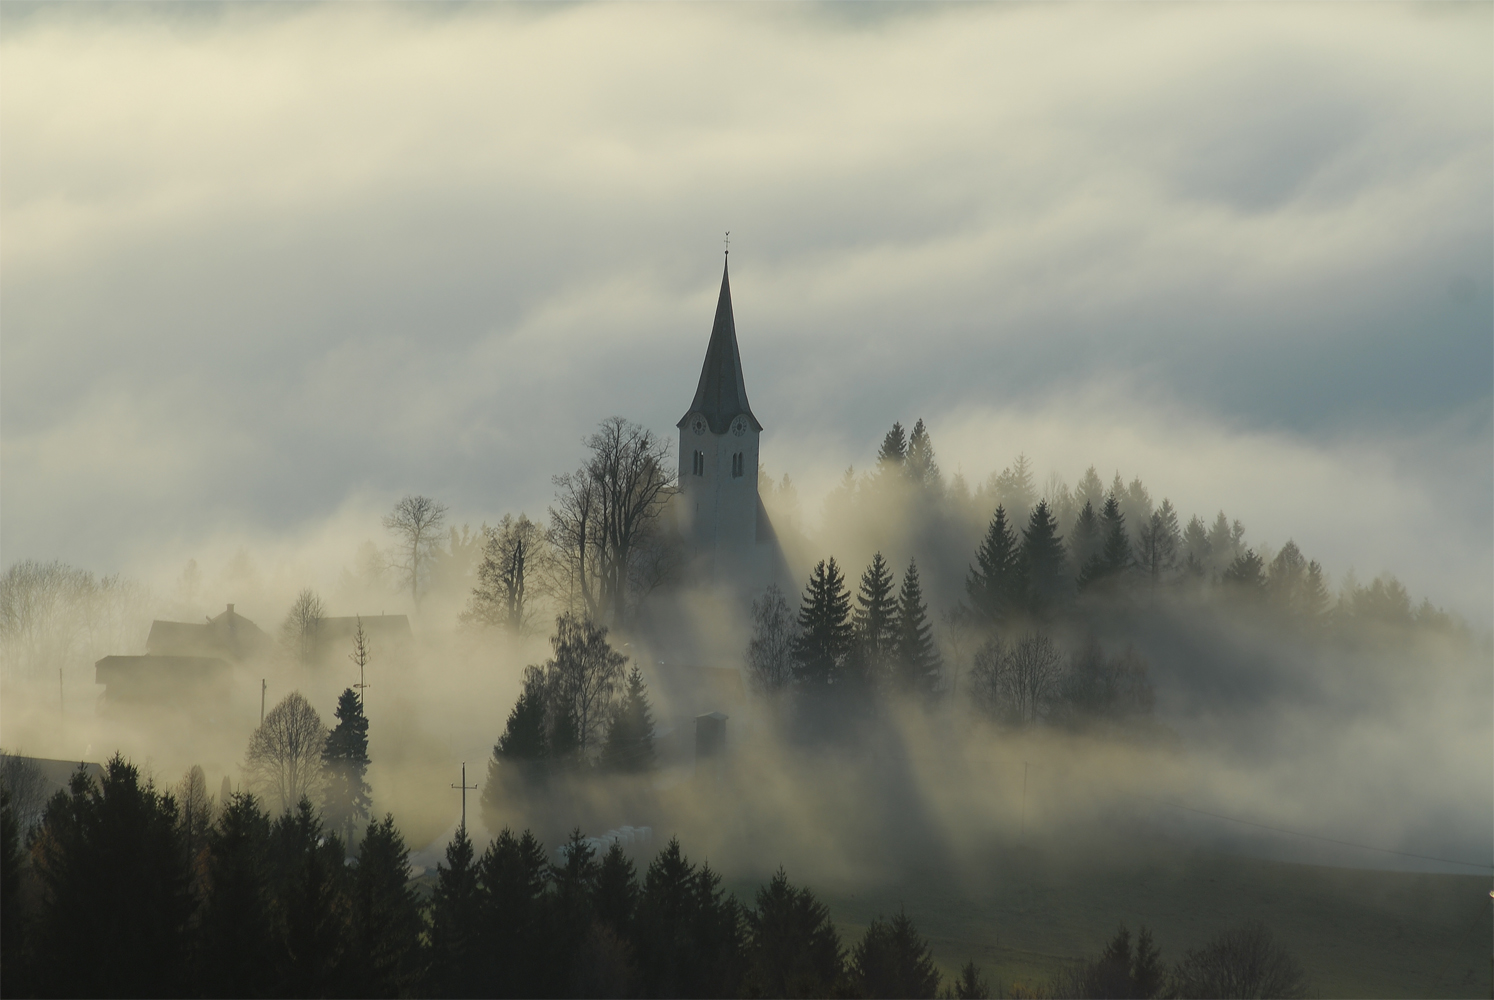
x=722, y=394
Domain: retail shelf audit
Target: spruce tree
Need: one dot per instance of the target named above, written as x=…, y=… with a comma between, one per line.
x=1114, y=558
x=875, y=620
x=114, y=880
x=1048, y=581
x=1158, y=543
x=344, y=763
x=10, y=914
x=514, y=916
x=972, y=985
x=616, y=890
x=455, y=939
x=1196, y=554
x=309, y=878
x=629, y=747
x=920, y=466
x=917, y=658
x=236, y=940
x=792, y=948
x=994, y=581
x=825, y=630
x=894, y=448
x=1246, y=576
x=688, y=930
x=893, y=960
x=386, y=920
x=1084, y=540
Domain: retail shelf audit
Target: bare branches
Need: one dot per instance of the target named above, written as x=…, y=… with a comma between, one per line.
x=770, y=651
x=513, y=563
x=604, y=521
x=416, y=522
x=299, y=631
x=1017, y=682
x=285, y=753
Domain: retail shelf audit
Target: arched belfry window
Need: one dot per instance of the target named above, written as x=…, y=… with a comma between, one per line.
x=697, y=460
x=736, y=466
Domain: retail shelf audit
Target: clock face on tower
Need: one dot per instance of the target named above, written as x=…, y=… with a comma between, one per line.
x=739, y=428
x=698, y=426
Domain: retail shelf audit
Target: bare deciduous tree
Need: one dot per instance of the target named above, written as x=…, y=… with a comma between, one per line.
x=299, y=632
x=604, y=522
x=583, y=674
x=770, y=651
x=513, y=556
x=1016, y=683
x=196, y=809
x=284, y=759
x=53, y=615
x=1243, y=962
x=416, y=522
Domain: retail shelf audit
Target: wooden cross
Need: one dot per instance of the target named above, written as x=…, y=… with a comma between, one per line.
x=464, y=787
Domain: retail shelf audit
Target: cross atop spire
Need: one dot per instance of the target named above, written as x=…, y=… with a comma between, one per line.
x=722, y=394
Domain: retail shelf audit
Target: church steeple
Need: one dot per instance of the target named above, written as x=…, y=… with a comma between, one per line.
x=721, y=395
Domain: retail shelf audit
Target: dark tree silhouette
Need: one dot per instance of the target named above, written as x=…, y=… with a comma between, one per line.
x=917, y=659
x=1243, y=962
x=113, y=874
x=1084, y=540
x=385, y=916
x=972, y=985
x=455, y=935
x=616, y=890
x=236, y=941
x=514, y=915
x=416, y=523
x=995, y=583
x=688, y=930
x=11, y=930
x=875, y=622
x=893, y=960
x=792, y=948
x=922, y=470
x=894, y=450
x=310, y=881
x=1049, y=581
x=1107, y=567
x=825, y=630
x=345, y=799
x=770, y=651
x=630, y=736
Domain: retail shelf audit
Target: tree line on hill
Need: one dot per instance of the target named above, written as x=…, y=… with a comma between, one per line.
x=116, y=892
x=260, y=906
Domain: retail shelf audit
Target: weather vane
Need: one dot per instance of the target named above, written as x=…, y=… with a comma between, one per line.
x=728, y=242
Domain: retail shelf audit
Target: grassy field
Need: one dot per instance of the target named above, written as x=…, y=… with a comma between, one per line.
x=1026, y=911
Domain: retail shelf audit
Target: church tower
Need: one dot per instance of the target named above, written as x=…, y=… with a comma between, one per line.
x=722, y=517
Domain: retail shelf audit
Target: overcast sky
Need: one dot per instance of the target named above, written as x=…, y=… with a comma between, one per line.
x=265, y=269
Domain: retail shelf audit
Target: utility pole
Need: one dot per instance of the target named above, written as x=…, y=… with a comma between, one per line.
x=464, y=787
x=262, y=685
x=1024, y=800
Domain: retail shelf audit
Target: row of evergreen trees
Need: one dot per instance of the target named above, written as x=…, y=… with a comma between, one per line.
x=511, y=923
x=112, y=899
x=109, y=899
x=882, y=640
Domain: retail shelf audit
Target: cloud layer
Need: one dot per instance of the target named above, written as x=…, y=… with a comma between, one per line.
x=261, y=265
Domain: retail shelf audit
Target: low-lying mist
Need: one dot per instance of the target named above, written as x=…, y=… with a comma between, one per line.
x=1265, y=731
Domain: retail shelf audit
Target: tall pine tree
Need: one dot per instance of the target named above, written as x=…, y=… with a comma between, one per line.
x=629, y=747
x=309, y=878
x=921, y=468
x=995, y=581
x=515, y=919
x=894, y=448
x=456, y=945
x=385, y=916
x=916, y=656
x=1049, y=582
x=1084, y=540
x=344, y=763
x=825, y=629
x=1108, y=566
x=236, y=938
x=875, y=620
